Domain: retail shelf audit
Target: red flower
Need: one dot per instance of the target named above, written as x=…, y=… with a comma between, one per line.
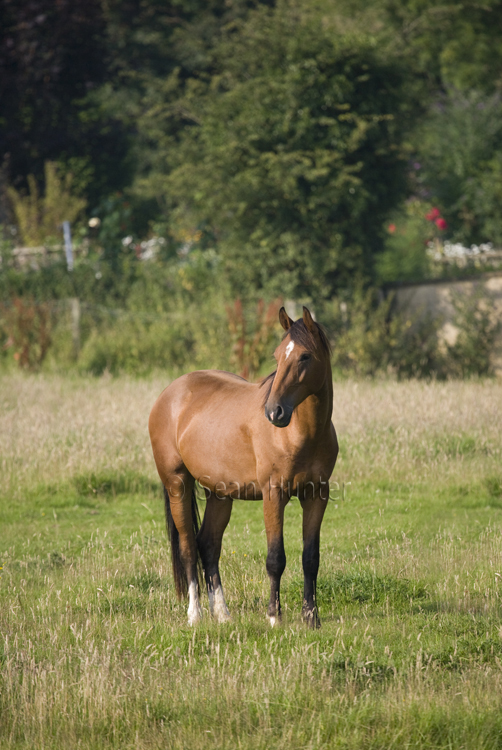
x=433, y=214
x=441, y=224
x=392, y=228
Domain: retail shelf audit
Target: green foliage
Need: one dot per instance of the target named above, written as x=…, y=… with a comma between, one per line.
x=453, y=44
x=478, y=326
x=54, y=57
x=39, y=218
x=282, y=127
x=361, y=328
x=251, y=348
x=487, y=198
x=372, y=338
x=200, y=335
x=294, y=157
x=136, y=348
x=404, y=257
x=416, y=350
x=25, y=331
x=460, y=147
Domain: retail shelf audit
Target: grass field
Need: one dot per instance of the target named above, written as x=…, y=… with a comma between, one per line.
x=95, y=651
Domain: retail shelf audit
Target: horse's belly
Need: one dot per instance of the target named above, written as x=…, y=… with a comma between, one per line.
x=238, y=490
x=221, y=461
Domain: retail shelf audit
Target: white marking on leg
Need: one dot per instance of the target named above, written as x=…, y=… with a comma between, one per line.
x=272, y=621
x=194, y=608
x=218, y=606
x=290, y=348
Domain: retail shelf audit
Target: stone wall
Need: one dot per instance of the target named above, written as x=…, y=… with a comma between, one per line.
x=435, y=298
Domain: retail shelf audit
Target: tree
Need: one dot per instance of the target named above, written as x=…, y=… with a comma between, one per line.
x=454, y=45
x=459, y=146
x=293, y=155
x=52, y=57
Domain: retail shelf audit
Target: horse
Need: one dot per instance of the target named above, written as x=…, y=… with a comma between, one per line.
x=252, y=441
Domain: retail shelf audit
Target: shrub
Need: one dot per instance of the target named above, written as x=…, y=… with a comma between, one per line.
x=372, y=338
x=26, y=328
x=251, y=349
x=39, y=217
x=134, y=346
x=460, y=148
x=477, y=330
x=362, y=343
x=405, y=255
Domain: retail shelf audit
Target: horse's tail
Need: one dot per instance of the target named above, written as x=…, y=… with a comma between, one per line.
x=179, y=572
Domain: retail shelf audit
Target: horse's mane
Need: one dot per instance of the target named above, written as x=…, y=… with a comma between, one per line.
x=301, y=335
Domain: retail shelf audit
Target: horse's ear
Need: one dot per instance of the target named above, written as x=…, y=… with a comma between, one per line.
x=308, y=320
x=284, y=319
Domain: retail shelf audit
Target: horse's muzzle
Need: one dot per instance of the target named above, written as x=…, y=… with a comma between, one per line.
x=278, y=415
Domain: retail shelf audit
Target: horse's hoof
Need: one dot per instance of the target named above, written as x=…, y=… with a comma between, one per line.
x=274, y=620
x=222, y=617
x=311, y=619
x=218, y=606
x=194, y=616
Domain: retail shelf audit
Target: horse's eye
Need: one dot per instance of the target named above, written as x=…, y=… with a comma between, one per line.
x=304, y=358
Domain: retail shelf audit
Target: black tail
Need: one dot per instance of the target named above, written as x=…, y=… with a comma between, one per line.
x=179, y=573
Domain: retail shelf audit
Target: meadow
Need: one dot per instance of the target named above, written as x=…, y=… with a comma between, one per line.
x=95, y=651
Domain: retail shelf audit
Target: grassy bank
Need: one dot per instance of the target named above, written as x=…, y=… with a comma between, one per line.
x=95, y=650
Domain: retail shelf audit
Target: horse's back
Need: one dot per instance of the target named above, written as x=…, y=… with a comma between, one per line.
x=203, y=417
x=201, y=388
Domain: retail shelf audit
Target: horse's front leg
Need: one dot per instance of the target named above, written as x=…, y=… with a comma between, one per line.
x=209, y=539
x=274, y=502
x=313, y=511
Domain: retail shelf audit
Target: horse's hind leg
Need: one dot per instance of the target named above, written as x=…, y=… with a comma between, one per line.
x=209, y=539
x=181, y=509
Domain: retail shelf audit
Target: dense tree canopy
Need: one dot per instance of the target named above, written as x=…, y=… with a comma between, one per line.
x=282, y=133
x=294, y=155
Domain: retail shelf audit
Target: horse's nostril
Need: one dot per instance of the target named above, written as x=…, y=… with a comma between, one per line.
x=279, y=413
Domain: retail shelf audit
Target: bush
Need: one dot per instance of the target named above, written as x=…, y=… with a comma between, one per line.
x=296, y=155
x=405, y=255
x=371, y=338
x=477, y=330
x=137, y=347
x=460, y=148
x=39, y=217
x=362, y=335
x=25, y=327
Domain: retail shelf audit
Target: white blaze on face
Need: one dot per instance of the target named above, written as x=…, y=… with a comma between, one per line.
x=290, y=348
x=194, y=608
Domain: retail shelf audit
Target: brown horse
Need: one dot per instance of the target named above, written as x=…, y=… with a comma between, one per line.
x=267, y=441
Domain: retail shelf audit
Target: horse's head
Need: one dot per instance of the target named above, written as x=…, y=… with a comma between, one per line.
x=303, y=364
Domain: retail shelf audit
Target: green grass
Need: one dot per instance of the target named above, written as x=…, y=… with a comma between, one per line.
x=95, y=651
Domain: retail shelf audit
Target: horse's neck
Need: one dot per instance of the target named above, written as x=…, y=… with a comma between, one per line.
x=316, y=411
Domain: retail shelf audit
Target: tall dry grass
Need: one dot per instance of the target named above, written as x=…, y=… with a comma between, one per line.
x=55, y=426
